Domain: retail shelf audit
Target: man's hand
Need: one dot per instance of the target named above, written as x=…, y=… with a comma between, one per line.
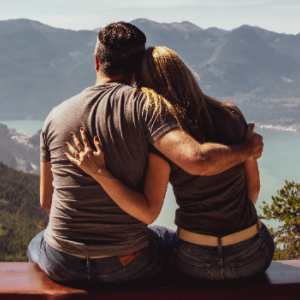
x=254, y=143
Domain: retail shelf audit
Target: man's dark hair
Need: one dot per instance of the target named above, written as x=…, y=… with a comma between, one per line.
x=120, y=49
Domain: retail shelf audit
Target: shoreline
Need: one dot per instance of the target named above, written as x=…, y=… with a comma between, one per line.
x=293, y=128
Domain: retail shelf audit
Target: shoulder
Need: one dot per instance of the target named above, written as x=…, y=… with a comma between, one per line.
x=235, y=113
x=230, y=124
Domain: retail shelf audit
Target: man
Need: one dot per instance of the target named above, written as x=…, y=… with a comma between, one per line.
x=89, y=238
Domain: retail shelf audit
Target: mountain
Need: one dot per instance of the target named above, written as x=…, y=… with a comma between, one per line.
x=246, y=62
x=255, y=68
x=285, y=43
x=19, y=150
x=191, y=42
x=41, y=66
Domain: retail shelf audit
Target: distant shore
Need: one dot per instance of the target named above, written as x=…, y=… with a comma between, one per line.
x=294, y=128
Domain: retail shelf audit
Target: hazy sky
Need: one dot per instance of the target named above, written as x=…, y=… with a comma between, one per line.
x=276, y=15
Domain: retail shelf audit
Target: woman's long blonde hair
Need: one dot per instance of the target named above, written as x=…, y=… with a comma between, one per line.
x=163, y=71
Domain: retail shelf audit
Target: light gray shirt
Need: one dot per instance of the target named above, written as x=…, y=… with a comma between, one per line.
x=84, y=220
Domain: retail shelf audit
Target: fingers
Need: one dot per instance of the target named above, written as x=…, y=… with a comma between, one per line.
x=250, y=129
x=72, y=150
x=77, y=142
x=97, y=144
x=255, y=143
x=71, y=158
x=258, y=137
x=85, y=139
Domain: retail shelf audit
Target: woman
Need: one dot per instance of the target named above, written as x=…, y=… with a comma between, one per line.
x=219, y=235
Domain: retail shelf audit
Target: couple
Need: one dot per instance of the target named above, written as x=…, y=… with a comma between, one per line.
x=164, y=130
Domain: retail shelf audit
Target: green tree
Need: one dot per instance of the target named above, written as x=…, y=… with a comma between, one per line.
x=285, y=208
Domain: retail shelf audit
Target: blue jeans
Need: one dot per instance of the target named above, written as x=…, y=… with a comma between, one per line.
x=62, y=267
x=240, y=260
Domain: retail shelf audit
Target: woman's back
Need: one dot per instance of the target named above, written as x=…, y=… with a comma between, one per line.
x=215, y=205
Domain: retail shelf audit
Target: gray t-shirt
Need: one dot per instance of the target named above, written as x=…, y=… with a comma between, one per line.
x=215, y=205
x=84, y=220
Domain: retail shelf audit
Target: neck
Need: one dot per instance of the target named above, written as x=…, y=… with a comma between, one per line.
x=103, y=79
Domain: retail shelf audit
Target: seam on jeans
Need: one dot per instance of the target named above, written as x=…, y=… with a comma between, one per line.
x=221, y=260
x=39, y=255
x=206, y=267
x=48, y=268
x=186, y=260
x=266, y=250
x=106, y=260
x=144, y=271
x=235, y=272
x=124, y=269
x=207, y=273
x=245, y=250
x=198, y=252
x=246, y=261
x=63, y=267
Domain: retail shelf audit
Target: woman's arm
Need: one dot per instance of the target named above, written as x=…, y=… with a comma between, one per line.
x=144, y=207
x=252, y=179
x=46, y=187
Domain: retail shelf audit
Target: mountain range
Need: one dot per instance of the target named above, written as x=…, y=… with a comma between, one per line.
x=40, y=66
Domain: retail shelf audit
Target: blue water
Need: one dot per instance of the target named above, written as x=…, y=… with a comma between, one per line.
x=27, y=126
x=280, y=161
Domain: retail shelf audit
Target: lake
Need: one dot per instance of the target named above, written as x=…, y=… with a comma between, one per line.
x=280, y=161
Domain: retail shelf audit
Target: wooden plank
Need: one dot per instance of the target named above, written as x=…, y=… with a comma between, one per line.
x=28, y=281
x=284, y=272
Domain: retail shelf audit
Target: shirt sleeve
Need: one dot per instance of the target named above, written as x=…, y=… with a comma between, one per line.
x=242, y=122
x=237, y=125
x=156, y=124
x=153, y=150
x=44, y=149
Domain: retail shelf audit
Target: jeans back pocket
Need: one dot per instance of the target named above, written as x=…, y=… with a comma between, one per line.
x=190, y=267
x=258, y=262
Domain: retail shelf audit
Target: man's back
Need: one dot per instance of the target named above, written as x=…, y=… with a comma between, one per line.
x=83, y=219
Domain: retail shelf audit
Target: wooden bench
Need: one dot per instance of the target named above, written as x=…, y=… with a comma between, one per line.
x=27, y=281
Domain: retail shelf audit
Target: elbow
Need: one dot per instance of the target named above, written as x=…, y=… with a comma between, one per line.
x=46, y=207
x=149, y=218
x=253, y=193
x=256, y=188
x=200, y=168
x=201, y=165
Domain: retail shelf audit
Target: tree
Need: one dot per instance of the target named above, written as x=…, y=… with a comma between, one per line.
x=285, y=208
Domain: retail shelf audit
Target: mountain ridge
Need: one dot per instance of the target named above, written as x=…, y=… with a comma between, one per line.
x=41, y=66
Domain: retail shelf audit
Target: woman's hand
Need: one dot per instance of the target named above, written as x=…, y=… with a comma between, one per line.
x=90, y=161
x=144, y=207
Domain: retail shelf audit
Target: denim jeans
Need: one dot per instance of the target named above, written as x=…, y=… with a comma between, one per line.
x=240, y=260
x=62, y=267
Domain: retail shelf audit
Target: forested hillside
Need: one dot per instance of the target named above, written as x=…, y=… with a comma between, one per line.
x=21, y=216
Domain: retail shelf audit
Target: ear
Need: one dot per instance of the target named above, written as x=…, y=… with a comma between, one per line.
x=97, y=64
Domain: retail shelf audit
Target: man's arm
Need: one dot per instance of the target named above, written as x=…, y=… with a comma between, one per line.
x=208, y=158
x=46, y=187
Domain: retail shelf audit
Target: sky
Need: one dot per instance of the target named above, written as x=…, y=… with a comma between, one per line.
x=282, y=16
